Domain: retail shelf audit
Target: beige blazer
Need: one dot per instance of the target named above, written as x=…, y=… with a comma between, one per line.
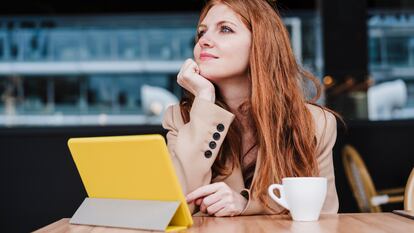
x=193, y=152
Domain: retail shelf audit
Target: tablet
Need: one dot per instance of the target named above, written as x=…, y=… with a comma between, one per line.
x=130, y=168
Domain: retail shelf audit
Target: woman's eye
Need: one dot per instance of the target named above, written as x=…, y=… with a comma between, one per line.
x=200, y=34
x=226, y=29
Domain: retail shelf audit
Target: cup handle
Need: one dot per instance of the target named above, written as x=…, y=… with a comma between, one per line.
x=282, y=200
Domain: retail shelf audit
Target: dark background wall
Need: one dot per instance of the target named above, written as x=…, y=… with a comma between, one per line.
x=47, y=7
x=40, y=183
x=385, y=147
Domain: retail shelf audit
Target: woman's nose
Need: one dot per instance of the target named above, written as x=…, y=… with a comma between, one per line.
x=205, y=41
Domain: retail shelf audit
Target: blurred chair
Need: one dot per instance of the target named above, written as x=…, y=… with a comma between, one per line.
x=409, y=193
x=155, y=100
x=368, y=198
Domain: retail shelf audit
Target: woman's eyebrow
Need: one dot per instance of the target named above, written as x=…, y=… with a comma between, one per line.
x=226, y=21
x=218, y=23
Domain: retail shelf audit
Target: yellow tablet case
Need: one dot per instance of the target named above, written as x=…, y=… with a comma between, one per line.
x=131, y=183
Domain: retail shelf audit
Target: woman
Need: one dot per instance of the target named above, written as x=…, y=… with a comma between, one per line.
x=244, y=123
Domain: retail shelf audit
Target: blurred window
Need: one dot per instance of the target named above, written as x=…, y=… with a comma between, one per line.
x=391, y=57
x=90, y=69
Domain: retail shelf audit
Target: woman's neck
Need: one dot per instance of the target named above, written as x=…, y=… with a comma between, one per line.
x=234, y=91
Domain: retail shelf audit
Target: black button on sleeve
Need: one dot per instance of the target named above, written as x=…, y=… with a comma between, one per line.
x=212, y=145
x=216, y=136
x=208, y=154
x=220, y=127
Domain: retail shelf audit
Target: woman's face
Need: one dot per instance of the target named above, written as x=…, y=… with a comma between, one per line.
x=223, y=48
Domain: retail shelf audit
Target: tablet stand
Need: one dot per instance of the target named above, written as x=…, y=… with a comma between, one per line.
x=136, y=214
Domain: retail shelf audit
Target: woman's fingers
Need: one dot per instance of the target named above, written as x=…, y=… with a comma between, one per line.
x=224, y=212
x=189, y=63
x=198, y=201
x=202, y=192
x=185, y=77
x=218, y=199
x=190, y=79
x=186, y=64
x=210, y=200
x=190, y=71
x=216, y=207
x=213, y=198
x=203, y=208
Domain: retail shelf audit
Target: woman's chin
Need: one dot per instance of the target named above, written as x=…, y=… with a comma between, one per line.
x=210, y=76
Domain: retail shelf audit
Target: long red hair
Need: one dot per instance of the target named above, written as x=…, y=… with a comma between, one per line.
x=284, y=127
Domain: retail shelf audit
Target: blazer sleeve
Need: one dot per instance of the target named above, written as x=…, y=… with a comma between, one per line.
x=194, y=146
x=255, y=207
x=325, y=124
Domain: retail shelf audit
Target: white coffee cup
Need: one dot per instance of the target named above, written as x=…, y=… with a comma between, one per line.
x=302, y=196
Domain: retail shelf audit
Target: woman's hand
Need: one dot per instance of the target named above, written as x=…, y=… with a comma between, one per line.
x=218, y=199
x=190, y=79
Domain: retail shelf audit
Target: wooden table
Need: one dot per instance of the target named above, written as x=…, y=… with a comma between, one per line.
x=350, y=223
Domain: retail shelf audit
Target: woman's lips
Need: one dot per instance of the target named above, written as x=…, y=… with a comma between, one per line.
x=207, y=56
